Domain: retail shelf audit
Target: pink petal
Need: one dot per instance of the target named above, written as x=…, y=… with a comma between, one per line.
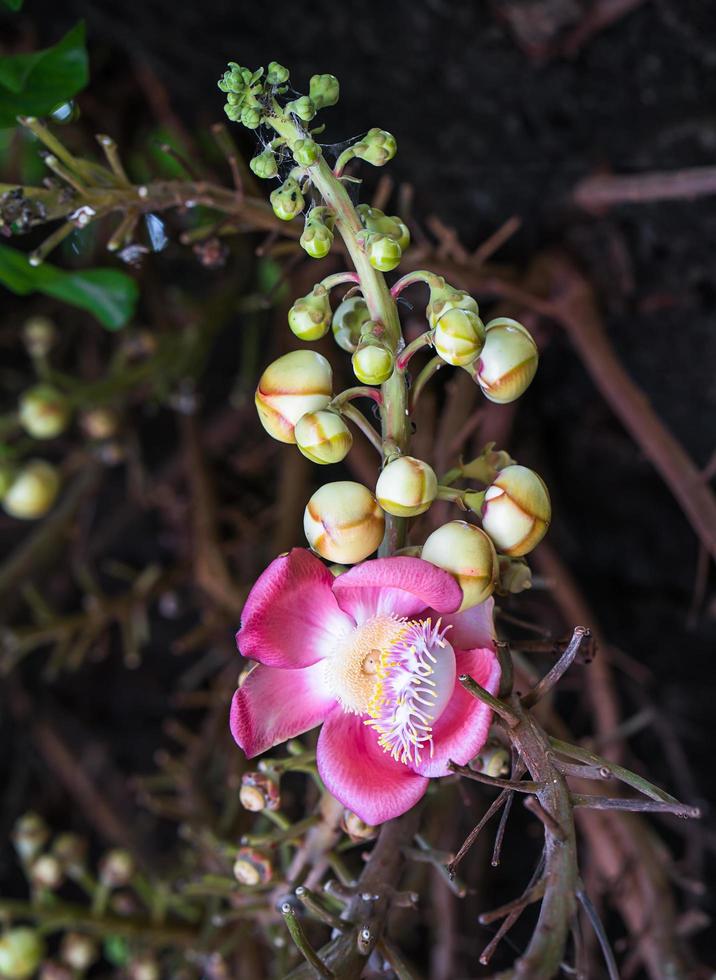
x=401, y=585
x=473, y=628
x=274, y=704
x=360, y=774
x=291, y=617
x=461, y=730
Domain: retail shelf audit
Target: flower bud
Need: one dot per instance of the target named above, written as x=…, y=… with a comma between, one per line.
x=306, y=152
x=515, y=575
x=143, y=968
x=372, y=363
x=116, y=868
x=302, y=107
x=469, y=555
x=33, y=491
x=356, y=828
x=264, y=165
x=276, y=74
x=516, y=510
x=46, y=872
x=444, y=298
x=348, y=321
x=493, y=759
x=310, y=316
x=323, y=90
x=459, y=336
x=317, y=236
x=21, y=951
x=383, y=252
x=71, y=851
x=343, y=522
x=29, y=835
x=259, y=792
x=508, y=361
x=51, y=970
x=252, y=868
x=44, y=412
x=376, y=147
x=323, y=437
x=287, y=200
x=403, y=234
x=38, y=334
x=375, y=220
x=406, y=487
x=99, y=423
x=297, y=383
x=78, y=951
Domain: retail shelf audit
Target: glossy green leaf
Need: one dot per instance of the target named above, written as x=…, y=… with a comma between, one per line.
x=108, y=294
x=37, y=83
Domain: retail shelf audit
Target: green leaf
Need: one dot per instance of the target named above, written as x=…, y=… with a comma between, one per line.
x=109, y=295
x=13, y=4
x=35, y=84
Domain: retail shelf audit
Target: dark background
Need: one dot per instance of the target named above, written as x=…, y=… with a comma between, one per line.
x=494, y=118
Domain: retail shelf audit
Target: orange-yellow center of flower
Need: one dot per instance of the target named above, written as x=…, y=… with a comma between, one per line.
x=353, y=669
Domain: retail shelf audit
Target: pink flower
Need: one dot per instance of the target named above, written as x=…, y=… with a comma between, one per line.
x=374, y=655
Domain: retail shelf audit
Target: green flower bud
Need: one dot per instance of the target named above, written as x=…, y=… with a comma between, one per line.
x=78, y=951
x=316, y=239
x=516, y=510
x=21, y=951
x=376, y=147
x=459, y=336
x=44, y=412
x=250, y=117
x=29, y=835
x=302, y=107
x=46, y=872
x=444, y=297
x=348, y=320
x=116, y=868
x=372, y=363
x=383, y=252
x=276, y=74
x=508, y=361
x=306, y=152
x=323, y=437
x=264, y=165
x=38, y=334
x=252, y=867
x=324, y=90
x=469, y=555
x=297, y=383
x=406, y=487
x=404, y=234
x=287, y=200
x=71, y=851
x=515, y=575
x=343, y=522
x=310, y=316
x=33, y=491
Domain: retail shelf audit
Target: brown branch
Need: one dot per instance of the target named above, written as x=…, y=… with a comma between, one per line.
x=598, y=192
x=581, y=633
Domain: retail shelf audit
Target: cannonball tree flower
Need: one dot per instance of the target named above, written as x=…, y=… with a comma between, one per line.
x=373, y=656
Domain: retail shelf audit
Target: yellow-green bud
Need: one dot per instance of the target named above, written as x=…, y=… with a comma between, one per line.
x=252, y=868
x=316, y=239
x=44, y=412
x=372, y=363
x=264, y=165
x=310, y=316
x=39, y=334
x=469, y=555
x=384, y=253
x=406, y=487
x=33, y=491
x=516, y=510
x=323, y=437
x=376, y=147
x=459, y=336
x=508, y=361
x=343, y=522
x=78, y=951
x=443, y=298
x=297, y=383
x=46, y=872
x=276, y=74
x=323, y=90
x=116, y=868
x=302, y=107
x=348, y=320
x=515, y=575
x=404, y=233
x=493, y=760
x=71, y=851
x=21, y=951
x=250, y=117
x=306, y=152
x=29, y=835
x=287, y=200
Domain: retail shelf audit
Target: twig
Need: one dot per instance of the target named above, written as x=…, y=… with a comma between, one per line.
x=394, y=958
x=596, y=924
x=581, y=633
x=533, y=894
x=637, y=806
x=500, y=708
x=496, y=805
x=312, y=903
x=595, y=193
x=301, y=940
x=496, y=240
x=518, y=785
x=550, y=824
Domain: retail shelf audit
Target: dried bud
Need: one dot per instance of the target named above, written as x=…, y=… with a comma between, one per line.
x=71, y=851
x=406, y=487
x=116, y=868
x=372, y=362
x=21, y=950
x=39, y=334
x=444, y=298
x=33, y=491
x=343, y=522
x=287, y=200
x=99, y=423
x=306, y=152
x=310, y=316
x=514, y=576
x=516, y=510
x=259, y=792
x=143, y=968
x=44, y=412
x=469, y=555
x=459, y=336
x=29, y=835
x=78, y=951
x=508, y=361
x=323, y=90
x=295, y=384
x=46, y=872
x=323, y=437
x=251, y=867
x=264, y=165
x=348, y=321
x=376, y=147
x=356, y=828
